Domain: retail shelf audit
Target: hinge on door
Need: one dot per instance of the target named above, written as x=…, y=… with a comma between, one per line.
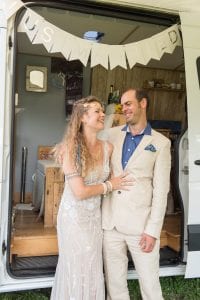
x=185, y=170
x=10, y=43
x=4, y=248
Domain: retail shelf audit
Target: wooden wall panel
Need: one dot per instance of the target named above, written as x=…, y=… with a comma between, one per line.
x=164, y=104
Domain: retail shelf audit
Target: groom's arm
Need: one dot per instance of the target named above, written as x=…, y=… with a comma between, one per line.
x=161, y=184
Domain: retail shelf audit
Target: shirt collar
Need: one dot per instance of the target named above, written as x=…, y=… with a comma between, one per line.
x=146, y=131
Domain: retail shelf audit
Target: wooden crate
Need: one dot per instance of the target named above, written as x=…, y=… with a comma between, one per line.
x=54, y=186
x=172, y=227
x=163, y=239
x=30, y=238
x=174, y=241
x=58, y=190
x=45, y=152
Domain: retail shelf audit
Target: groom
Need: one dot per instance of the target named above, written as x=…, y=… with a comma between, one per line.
x=133, y=219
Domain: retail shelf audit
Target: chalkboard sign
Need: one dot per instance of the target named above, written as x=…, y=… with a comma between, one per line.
x=73, y=72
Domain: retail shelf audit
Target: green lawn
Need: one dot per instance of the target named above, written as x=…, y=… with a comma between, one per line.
x=174, y=288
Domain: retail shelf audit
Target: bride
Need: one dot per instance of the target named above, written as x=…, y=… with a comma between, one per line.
x=85, y=162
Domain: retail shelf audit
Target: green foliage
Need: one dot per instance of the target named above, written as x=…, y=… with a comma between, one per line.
x=174, y=288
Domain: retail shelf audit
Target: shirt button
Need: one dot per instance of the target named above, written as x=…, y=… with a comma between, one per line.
x=132, y=138
x=129, y=149
x=119, y=192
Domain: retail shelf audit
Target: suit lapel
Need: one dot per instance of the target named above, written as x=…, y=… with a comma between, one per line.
x=119, y=140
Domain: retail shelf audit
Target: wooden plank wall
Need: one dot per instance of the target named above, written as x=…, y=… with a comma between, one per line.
x=164, y=104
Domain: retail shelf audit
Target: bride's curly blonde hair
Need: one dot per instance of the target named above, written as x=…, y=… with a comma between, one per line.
x=74, y=143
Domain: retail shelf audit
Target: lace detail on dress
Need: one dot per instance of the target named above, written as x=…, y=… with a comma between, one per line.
x=79, y=273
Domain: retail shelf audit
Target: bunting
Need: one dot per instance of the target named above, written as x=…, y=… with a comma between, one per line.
x=54, y=39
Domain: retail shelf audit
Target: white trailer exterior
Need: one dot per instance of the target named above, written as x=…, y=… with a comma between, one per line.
x=189, y=12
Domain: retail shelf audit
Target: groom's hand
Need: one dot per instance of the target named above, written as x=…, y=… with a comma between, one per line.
x=147, y=242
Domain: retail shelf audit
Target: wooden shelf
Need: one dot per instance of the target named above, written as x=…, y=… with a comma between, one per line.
x=164, y=90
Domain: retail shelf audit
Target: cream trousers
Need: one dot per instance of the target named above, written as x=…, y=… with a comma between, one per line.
x=115, y=245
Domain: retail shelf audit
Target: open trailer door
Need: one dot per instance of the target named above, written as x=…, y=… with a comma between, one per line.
x=7, y=42
x=191, y=29
x=4, y=151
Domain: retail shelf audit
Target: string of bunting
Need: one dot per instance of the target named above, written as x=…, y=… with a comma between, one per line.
x=54, y=39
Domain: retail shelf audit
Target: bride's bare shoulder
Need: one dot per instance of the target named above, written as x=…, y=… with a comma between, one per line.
x=110, y=148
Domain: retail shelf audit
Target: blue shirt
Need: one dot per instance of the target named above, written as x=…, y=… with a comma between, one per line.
x=131, y=142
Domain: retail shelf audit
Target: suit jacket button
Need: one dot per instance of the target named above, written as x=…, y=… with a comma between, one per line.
x=119, y=192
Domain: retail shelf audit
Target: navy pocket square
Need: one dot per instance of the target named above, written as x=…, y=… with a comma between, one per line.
x=150, y=148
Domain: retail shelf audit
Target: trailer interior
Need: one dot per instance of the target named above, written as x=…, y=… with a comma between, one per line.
x=40, y=118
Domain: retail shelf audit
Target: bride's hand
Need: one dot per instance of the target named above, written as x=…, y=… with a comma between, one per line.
x=122, y=182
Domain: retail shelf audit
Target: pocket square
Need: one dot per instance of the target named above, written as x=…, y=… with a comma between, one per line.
x=150, y=148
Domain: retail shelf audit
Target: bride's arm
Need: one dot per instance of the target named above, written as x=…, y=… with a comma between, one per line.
x=83, y=191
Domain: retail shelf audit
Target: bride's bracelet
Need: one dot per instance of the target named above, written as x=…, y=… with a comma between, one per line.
x=71, y=175
x=109, y=186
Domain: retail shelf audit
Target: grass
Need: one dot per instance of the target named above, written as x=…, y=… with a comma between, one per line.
x=174, y=288
x=42, y=294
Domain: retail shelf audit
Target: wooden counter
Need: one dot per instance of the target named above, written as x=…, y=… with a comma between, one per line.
x=50, y=182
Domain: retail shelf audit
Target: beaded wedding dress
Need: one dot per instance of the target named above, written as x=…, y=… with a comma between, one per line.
x=79, y=273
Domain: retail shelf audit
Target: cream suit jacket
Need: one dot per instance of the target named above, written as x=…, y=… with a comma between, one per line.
x=142, y=208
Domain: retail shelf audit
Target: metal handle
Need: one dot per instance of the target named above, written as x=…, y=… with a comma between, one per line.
x=23, y=174
x=185, y=170
x=197, y=162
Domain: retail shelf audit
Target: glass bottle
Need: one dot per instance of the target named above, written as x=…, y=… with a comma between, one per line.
x=110, y=96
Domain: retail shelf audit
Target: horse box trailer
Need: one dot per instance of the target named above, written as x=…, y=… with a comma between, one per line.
x=46, y=65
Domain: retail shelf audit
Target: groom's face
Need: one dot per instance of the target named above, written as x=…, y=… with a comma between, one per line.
x=132, y=109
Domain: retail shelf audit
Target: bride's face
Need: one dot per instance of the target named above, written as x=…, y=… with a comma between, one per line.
x=94, y=117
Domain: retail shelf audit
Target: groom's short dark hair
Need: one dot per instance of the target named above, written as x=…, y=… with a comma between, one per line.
x=140, y=94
